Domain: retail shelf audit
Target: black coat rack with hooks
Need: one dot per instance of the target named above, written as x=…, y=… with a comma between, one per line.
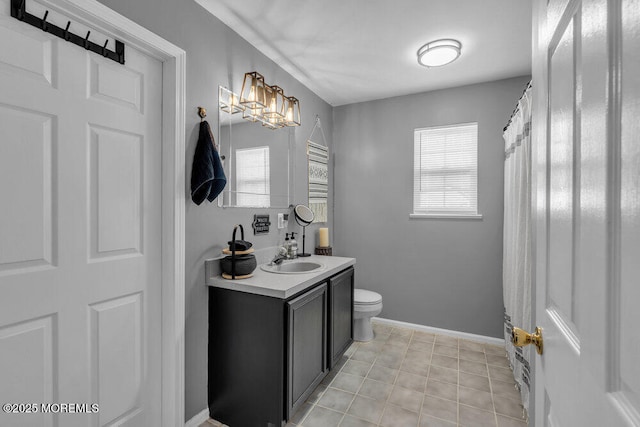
x=18, y=11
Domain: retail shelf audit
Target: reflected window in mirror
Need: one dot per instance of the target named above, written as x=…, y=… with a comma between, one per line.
x=253, y=177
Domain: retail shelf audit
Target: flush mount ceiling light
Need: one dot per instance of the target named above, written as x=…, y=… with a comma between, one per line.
x=439, y=52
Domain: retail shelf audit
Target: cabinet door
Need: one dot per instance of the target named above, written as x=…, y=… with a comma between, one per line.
x=307, y=341
x=341, y=314
x=247, y=356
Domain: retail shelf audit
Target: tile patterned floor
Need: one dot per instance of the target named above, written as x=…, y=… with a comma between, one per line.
x=412, y=378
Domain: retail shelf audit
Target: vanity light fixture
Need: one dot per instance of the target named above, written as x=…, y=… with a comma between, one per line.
x=260, y=102
x=228, y=101
x=292, y=115
x=275, y=103
x=253, y=91
x=273, y=113
x=252, y=114
x=439, y=52
x=272, y=123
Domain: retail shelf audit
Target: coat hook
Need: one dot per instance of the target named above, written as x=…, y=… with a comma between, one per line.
x=41, y=21
x=21, y=11
x=202, y=112
x=44, y=21
x=120, y=51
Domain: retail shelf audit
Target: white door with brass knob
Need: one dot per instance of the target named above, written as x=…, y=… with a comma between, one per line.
x=586, y=203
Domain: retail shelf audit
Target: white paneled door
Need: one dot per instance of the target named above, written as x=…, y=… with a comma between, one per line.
x=80, y=231
x=586, y=155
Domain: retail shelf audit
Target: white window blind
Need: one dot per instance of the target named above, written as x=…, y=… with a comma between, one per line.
x=446, y=170
x=252, y=177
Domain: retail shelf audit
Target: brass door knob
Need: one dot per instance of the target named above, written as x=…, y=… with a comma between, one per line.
x=520, y=338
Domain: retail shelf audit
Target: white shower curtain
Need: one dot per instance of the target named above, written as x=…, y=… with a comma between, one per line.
x=516, y=273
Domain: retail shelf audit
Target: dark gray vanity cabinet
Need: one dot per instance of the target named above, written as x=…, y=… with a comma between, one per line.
x=307, y=349
x=267, y=354
x=341, y=319
x=246, y=358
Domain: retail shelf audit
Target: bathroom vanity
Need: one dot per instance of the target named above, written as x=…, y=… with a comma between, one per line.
x=274, y=337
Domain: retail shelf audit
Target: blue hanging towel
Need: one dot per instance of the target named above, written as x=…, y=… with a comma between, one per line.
x=207, y=176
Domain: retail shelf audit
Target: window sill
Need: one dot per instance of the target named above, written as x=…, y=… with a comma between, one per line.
x=445, y=216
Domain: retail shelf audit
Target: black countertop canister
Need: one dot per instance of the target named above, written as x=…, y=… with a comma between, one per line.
x=238, y=264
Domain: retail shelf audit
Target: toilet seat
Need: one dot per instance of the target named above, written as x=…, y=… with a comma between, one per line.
x=366, y=297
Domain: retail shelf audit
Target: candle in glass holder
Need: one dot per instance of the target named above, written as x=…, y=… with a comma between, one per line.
x=324, y=237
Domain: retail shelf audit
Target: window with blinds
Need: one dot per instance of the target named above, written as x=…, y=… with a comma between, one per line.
x=252, y=177
x=446, y=170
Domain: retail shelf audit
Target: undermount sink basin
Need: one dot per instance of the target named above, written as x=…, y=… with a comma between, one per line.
x=294, y=267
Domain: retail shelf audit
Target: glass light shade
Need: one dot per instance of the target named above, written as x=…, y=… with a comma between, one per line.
x=252, y=114
x=292, y=112
x=275, y=102
x=272, y=123
x=253, y=92
x=439, y=52
x=229, y=101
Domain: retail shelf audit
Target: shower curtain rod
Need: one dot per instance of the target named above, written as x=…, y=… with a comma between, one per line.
x=515, y=110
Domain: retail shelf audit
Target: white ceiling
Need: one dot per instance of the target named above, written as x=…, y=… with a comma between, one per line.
x=349, y=51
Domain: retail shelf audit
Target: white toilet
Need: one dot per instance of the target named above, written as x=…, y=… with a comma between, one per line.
x=366, y=304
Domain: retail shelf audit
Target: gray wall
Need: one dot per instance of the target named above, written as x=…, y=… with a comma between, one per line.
x=216, y=55
x=445, y=273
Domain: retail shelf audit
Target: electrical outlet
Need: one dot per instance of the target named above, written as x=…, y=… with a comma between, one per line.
x=280, y=220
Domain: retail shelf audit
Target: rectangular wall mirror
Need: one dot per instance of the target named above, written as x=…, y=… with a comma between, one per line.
x=258, y=161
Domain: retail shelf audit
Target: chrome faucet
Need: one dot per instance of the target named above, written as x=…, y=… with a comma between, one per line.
x=278, y=260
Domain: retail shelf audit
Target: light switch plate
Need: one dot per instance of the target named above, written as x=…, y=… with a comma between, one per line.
x=280, y=220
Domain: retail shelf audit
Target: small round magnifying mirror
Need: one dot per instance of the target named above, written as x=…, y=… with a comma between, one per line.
x=304, y=216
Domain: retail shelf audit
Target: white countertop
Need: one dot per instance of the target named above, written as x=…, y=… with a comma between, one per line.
x=281, y=285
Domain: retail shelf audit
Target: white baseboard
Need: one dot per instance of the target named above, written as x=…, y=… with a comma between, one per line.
x=449, y=332
x=198, y=419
